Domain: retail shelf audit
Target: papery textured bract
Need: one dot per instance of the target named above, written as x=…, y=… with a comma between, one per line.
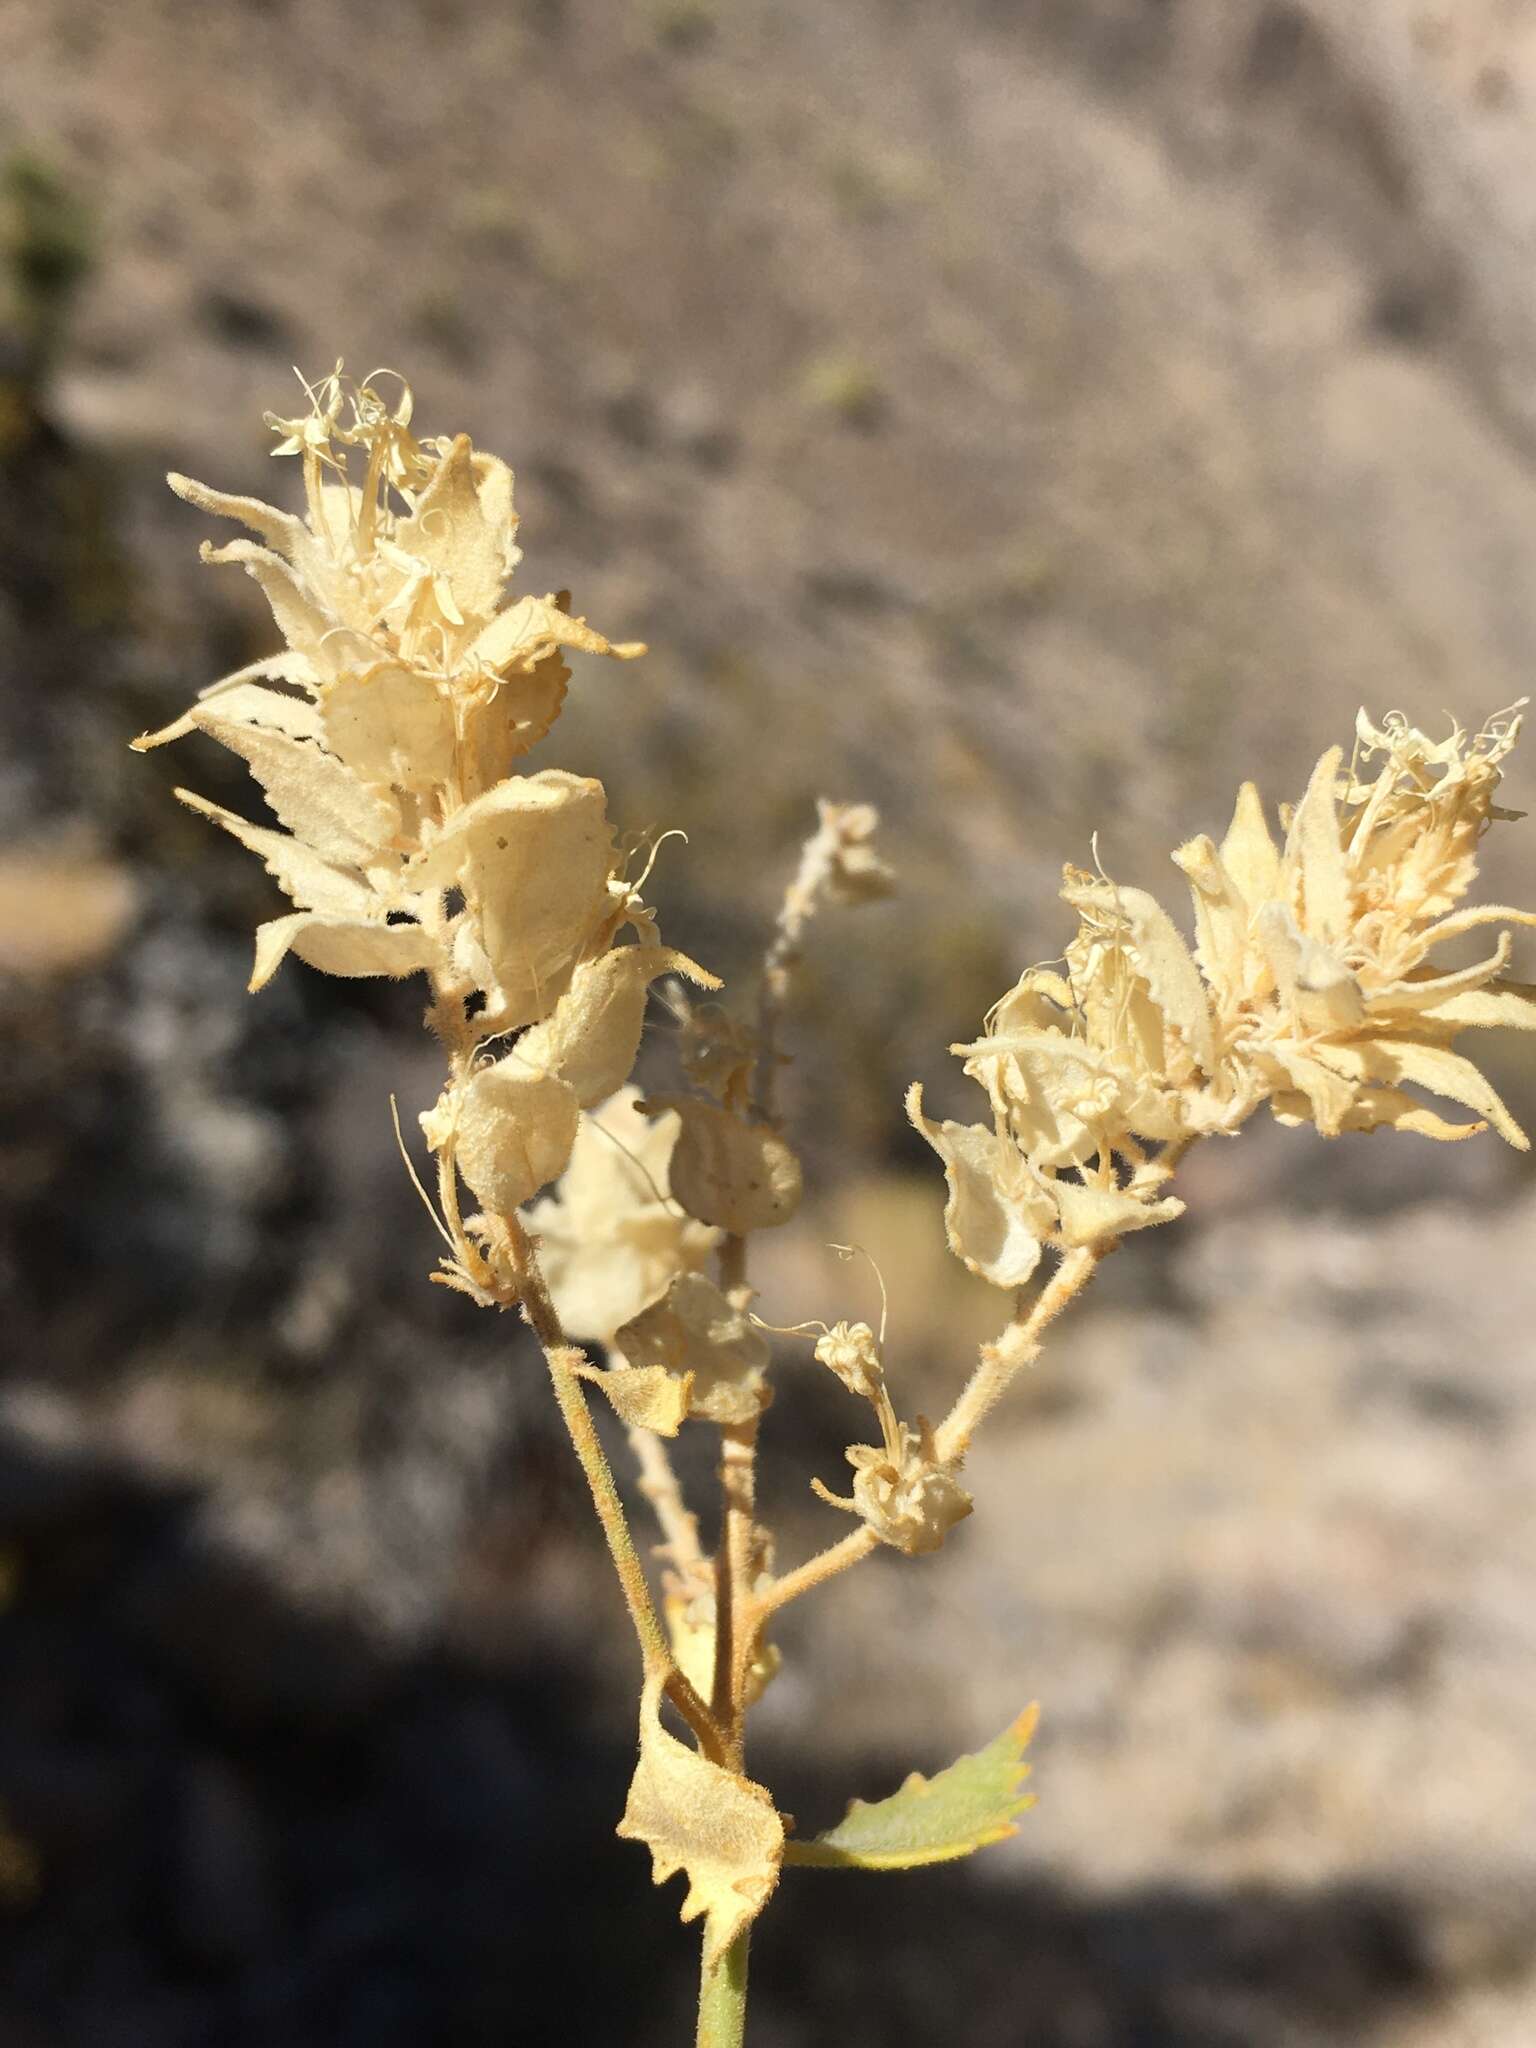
x=720, y=1829
x=513, y=1132
x=737, y=1175
x=592, y=1036
x=645, y=1396
x=610, y=1236
x=695, y=1332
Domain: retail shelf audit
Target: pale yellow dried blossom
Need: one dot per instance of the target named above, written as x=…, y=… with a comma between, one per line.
x=903, y=1490
x=387, y=739
x=610, y=1236
x=1310, y=987
x=385, y=735
x=1318, y=956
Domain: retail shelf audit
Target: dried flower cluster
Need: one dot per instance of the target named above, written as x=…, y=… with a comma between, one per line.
x=1310, y=987
x=388, y=738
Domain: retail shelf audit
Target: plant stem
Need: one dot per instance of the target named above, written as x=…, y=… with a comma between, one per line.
x=1018, y=1346
x=826, y=1564
x=723, y=1997
x=734, y=1574
x=734, y=1637
x=561, y=1359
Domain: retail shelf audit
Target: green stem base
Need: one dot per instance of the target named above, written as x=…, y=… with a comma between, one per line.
x=723, y=1998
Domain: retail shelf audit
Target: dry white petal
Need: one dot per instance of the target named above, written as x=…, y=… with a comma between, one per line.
x=336, y=946
x=313, y=883
x=613, y=1239
x=319, y=800
x=999, y=1214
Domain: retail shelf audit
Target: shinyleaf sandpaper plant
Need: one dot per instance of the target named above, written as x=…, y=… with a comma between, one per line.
x=389, y=737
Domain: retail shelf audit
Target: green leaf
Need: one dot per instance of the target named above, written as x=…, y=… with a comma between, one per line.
x=932, y=1820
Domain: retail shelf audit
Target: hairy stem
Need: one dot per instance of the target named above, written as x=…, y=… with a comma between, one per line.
x=723, y=1997
x=733, y=1582
x=1018, y=1346
x=562, y=1359
x=1019, y=1343
x=805, y=1578
x=733, y=1555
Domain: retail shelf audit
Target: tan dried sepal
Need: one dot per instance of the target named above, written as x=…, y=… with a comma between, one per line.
x=513, y=1130
x=352, y=950
x=591, y=1039
x=501, y=723
x=716, y=1826
x=463, y=527
x=645, y=1396
x=524, y=633
x=905, y=1494
x=319, y=799
x=243, y=698
x=1098, y=1216
x=696, y=1333
x=1314, y=856
x=999, y=1214
x=311, y=881
x=736, y=1175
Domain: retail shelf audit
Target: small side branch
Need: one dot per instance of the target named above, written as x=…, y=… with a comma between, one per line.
x=679, y=1527
x=1019, y=1343
x=1018, y=1346
x=805, y=1578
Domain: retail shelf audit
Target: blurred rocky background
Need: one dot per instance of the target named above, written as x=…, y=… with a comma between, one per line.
x=1034, y=415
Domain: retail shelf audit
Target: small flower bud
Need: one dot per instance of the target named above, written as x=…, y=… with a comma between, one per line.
x=852, y=1352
